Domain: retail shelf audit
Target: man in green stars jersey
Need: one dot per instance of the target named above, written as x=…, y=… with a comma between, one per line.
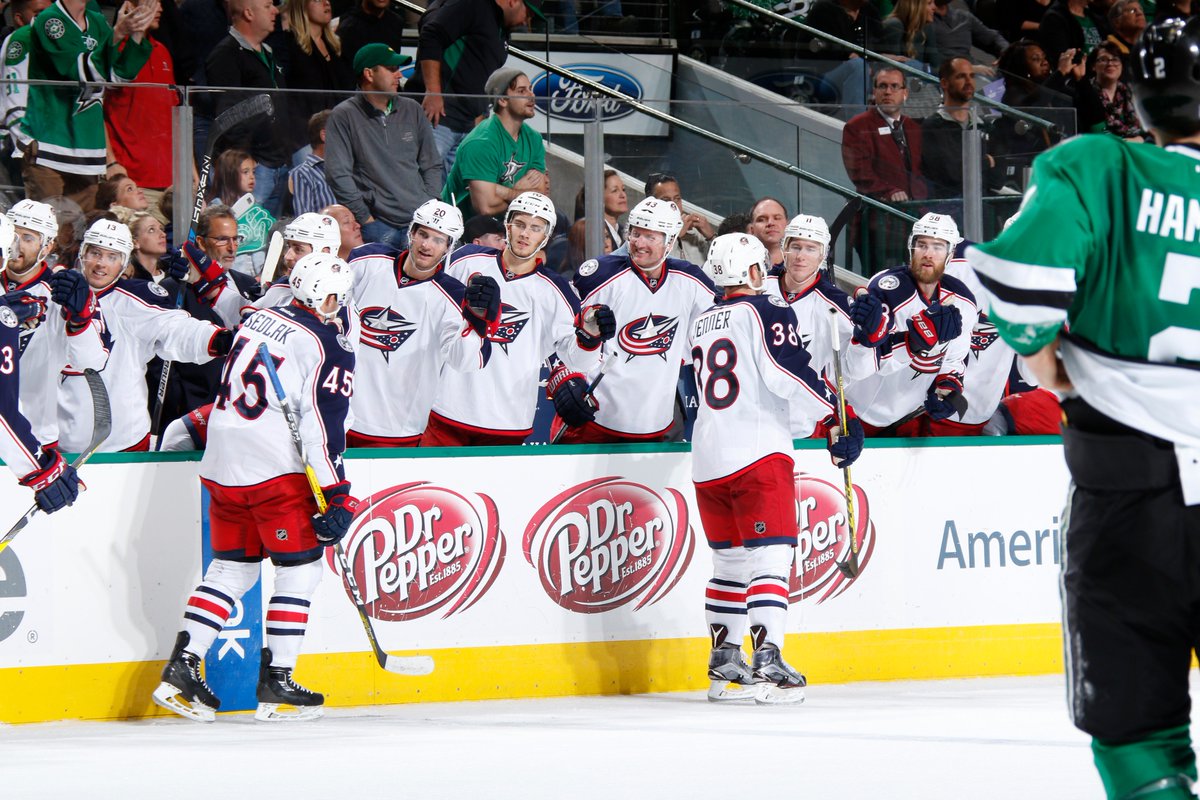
x=1095, y=282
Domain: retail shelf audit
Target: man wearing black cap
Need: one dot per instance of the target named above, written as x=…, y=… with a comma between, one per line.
x=461, y=43
x=381, y=159
x=503, y=156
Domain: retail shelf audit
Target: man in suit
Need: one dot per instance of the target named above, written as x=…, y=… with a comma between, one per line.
x=881, y=149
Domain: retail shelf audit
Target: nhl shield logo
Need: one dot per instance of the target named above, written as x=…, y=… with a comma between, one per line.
x=281, y=534
x=760, y=527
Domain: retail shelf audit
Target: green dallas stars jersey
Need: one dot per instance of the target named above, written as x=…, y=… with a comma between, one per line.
x=1107, y=242
x=68, y=122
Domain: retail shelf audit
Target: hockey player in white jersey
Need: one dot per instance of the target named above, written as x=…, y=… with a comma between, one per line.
x=68, y=331
x=920, y=319
x=262, y=504
x=307, y=233
x=141, y=322
x=654, y=299
x=751, y=367
x=540, y=315
x=416, y=323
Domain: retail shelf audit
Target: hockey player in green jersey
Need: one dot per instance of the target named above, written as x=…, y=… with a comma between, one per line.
x=62, y=132
x=1094, y=283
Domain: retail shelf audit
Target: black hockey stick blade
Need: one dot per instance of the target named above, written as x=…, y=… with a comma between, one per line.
x=101, y=427
x=849, y=567
x=236, y=114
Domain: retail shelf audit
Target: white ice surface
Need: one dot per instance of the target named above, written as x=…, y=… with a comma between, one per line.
x=964, y=739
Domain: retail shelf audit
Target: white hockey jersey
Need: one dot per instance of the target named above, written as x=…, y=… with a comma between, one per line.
x=279, y=293
x=637, y=395
x=140, y=325
x=45, y=353
x=248, y=437
x=409, y=329
x=18, y=447
x=537, y=319
x=903, y=380
x=748, y=379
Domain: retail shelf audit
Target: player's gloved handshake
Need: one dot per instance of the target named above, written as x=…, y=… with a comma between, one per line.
x=70, y=290
x=55, y=483
x=844, y=448
x=595, y=325
x=870, y=318
x=481, y=304
x=340, y=509
x=572, y=402
x=945, y=397
x=937, y=323
x=211, y=276
x=29, y=309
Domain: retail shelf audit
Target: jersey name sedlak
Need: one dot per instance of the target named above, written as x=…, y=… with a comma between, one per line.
x=274, y=329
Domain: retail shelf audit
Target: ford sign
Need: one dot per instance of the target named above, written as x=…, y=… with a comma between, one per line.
x=563, y=98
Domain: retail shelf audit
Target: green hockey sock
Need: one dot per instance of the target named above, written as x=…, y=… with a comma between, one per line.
x=1160, y=766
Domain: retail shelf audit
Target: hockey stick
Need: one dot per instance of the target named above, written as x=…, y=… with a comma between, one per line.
x=587, y=394
x=410, y=665
x=101, y=427
x=226, y=121
x=271, y=265
x=849, y=567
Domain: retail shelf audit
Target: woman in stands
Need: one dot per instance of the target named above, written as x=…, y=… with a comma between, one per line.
x=312, y=60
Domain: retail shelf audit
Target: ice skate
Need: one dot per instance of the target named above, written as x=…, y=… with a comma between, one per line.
x=183, y=689
x=281, y=699
x=731, y=677
x=778, y=683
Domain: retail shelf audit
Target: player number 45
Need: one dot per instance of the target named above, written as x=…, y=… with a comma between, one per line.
x=335, y=385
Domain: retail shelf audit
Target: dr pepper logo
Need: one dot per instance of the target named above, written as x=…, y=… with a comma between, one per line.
x=609, y=542
x=416, y=549
x=824, y=539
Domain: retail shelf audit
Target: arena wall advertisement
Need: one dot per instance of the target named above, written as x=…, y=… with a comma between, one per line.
x=535, y=572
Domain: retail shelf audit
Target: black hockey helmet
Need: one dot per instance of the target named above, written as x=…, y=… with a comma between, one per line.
x=1165, y=76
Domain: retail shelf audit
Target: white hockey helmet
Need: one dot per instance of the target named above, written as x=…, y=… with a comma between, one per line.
x=35, y=216
x=537, y=205
x=936, y=226
x=8, y=240
x=809, y=228
x=111, y=235
x=317, y=230
x=663, y=216
x=730, y=258
x=441, y=217
x=318, y=275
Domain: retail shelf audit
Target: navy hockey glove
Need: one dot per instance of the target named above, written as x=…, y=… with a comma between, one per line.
x=221, y=343
x=340, y=509
x=29, y=308
x=937, y=323
x=845, y=449
x=569, y=392
x=55, y=484
x=212, y=276
x=481, y=304
x=871, y=320
x=594, y=326
x=70, y=290
x=945, y=398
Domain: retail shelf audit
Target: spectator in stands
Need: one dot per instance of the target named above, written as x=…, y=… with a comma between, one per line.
x=484, y=230
x=233, y=176
x=149, y=245
x=16, y=49
x=310, y=190
x=908, y=31
x=349, y=227
x=1127, y=20
x=616, y=205
x=501, y=157
x=881, y=149
x=71, y=226
x=768, y=218
x=471, y=35
x=1169, y=9
x=737, y=222
x=206, y=22
x=382, y=160
x=138, y=122
x=1021, y=18
x=62, y=131
x=1120, y=118
x=370, y=21
x=243, y=59
x=855, y=21
x=314, y=62
x=693, y=240
x=956, y=30
x=941, y=134
x=121, y=191
x=1070, y=25
x=577, y=246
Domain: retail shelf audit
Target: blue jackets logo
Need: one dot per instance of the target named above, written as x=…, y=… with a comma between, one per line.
x=563, y=98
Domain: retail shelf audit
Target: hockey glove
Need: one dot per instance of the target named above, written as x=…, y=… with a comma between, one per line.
x=845, y=449
x=29, y=308
x=481, y=304
x=594, y=326
x=55, y=484
x=70, y=290
x=871, y=320
x=569, y=392
x=945, y=398
x=221, y=343
x=211, y=276
x=937, y=323
x=340, y=509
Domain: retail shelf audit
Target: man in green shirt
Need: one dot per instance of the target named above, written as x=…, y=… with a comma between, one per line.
x=1093, y=283
x=501, y=157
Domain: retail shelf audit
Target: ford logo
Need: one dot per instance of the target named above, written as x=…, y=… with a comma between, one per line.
x=563, y=98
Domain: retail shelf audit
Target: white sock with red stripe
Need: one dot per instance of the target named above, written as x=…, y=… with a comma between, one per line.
x=725, y=595
x=212, y=602
x=767, y=597
x=287, y=612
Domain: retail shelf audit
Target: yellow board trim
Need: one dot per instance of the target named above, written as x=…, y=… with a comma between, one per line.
x=122, y=691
